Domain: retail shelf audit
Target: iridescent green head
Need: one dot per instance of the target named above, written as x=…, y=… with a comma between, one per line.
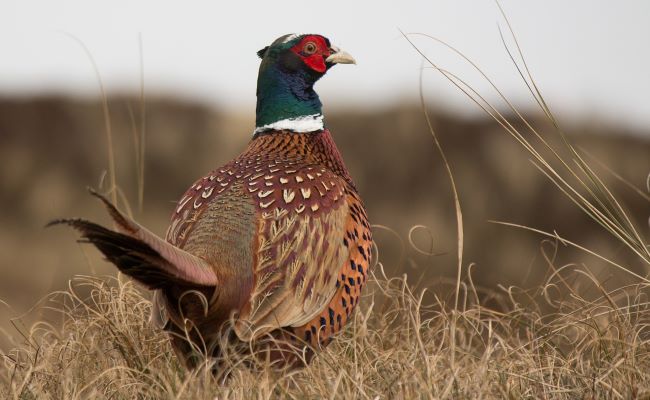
x=290, y=67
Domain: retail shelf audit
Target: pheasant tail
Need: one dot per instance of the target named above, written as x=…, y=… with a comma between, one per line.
x=141, y=254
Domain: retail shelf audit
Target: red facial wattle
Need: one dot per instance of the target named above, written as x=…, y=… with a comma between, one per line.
x=315, y=61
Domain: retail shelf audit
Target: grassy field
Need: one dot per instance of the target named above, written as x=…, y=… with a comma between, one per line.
x=579, y=330
x=593, y=345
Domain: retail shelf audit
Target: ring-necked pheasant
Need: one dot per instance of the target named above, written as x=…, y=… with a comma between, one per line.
x=277, y=240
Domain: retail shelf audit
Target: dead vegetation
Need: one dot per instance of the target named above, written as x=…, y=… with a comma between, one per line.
x=571, y=338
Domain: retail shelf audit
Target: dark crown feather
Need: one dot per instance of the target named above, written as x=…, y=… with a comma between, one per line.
x=262, y=52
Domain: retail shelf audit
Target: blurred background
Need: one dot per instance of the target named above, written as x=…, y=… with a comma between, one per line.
x=187, y=75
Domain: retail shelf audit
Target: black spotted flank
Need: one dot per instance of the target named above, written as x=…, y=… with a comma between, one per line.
x=345, y=242
x=331, y=314
x=363, y=252
x=323, y=322
x=307, y=336
x=353, y=265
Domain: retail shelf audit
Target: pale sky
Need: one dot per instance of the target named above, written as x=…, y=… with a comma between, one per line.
x=590, y=58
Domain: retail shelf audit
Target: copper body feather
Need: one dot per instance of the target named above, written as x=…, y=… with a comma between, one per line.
x=288, y=237
x=276, y=242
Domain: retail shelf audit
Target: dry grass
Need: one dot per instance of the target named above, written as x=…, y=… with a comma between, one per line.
x=550, y=343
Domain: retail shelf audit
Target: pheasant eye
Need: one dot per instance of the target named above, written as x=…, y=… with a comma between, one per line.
x=310, y=48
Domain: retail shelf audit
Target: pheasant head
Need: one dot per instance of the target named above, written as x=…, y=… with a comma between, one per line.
x=290, y=67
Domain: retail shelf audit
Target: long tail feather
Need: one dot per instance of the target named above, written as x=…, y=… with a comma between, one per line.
x=141, y=254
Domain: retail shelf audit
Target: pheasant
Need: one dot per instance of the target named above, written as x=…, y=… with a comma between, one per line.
x=277, y=241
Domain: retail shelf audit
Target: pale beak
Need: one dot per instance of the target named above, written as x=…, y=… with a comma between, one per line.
x=339, y=56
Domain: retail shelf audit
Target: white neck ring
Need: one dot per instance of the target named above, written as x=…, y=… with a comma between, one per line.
x=305, y=123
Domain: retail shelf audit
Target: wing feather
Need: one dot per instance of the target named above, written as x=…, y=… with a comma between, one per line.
x=300, y=251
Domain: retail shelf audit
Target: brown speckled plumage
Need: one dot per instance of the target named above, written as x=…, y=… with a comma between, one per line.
x=286, y=234
x=306, y=265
